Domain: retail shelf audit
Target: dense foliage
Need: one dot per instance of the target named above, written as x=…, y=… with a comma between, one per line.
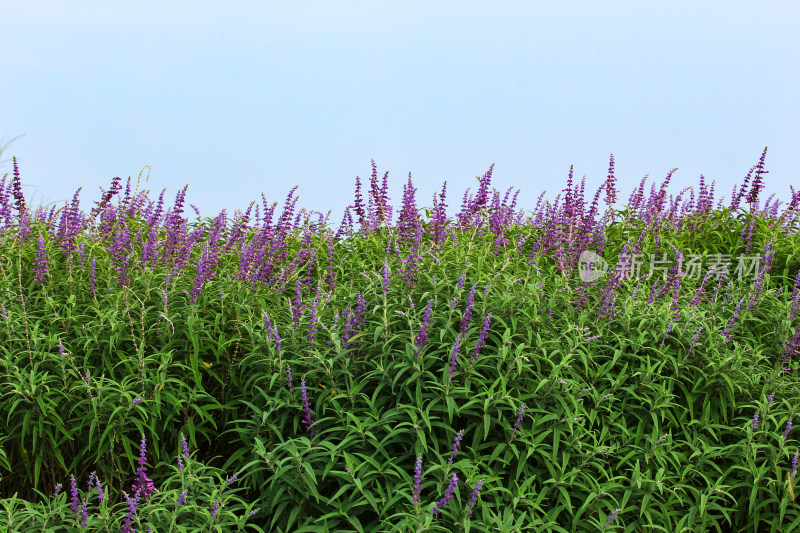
x=408, y=373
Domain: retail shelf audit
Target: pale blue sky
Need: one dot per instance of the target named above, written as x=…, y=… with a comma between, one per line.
x=238, y=98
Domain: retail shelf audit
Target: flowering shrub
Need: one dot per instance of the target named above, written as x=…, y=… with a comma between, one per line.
x=454, y=374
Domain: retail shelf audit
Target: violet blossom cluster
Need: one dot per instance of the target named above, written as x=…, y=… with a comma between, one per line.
x=453, y=360
x=473, y=497
x=422, y=335
x=456, y=444
x=520, y=417
x=312, y=327
x=417, y=481
x=481, y=339
x=309, y=418
x=143, y=484
x=41, y=262
x=468, y=311
x=289, y=380
x=185, y=452
x=353, y=323
x=448, y=495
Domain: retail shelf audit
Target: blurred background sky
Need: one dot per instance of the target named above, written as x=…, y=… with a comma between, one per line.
x=237, y=98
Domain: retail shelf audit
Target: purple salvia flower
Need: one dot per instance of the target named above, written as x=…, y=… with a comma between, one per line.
x=794, y=463
x=278, y=342
x=385, y=283
x=182, y=498
x=468, y=311
x=297, y=306
x=84, y=514
x=289, y=378
x=694, y=340
x=612, y=517
x=137, y=401
x=57, y=490
x=127, y=526
x=417, y=481
x=309, y=419
x=456, y=444
x=611, y=193
x=231, y=479
x=788, y=429
x=214, y=508
x=4, y=313
x=253, y=512
x=330, y=276
x=74, y=493
x=448, y=495
x=757, y=186
x=473, y=497
x=100, y=494
x=143, y=483
x=312, y=328
x=520, y=416
x=41, y=260
x=481, y=340
x=770, y=398
x=184, y=446
x=422, y=336
x=453, y=360
x=755, y=420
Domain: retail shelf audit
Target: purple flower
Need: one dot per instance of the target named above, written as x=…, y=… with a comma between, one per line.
x=468, y=311
x=422, y=336
x=127, y=526
x=694, y=340
x=312, y=328
x=417, y=480
x=460, y=284
x=794, y=463
x=309, y=419
x=143, y=483
x=612, y=517
x=453, y=360
x=182, y=498
x=456, y=444
x=57, y=490
x=137, y=401
x=84, y=514
x=214, y=509
x=755, y=420
x=385, y=282
x=757, y=186
x=473, y=497
x=520, y=416
x=448, y=495
x=231, y=479
x=289, y=377
x=769, y=399
x=74, y=492
x=100, y=494
x=481, y=340
x=185, y=453
x=297, y=305
x=788, y=429
x=41, y=260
